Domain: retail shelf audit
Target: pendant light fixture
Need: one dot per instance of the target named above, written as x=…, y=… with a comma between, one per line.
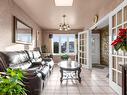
x=64, y=26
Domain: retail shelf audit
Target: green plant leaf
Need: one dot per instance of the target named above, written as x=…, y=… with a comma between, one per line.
x=12, y=84
x=118, y=46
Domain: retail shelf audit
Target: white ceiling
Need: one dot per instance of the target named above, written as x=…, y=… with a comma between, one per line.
x=48, y=16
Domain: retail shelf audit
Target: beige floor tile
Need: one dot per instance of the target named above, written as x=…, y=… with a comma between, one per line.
x=93, y=82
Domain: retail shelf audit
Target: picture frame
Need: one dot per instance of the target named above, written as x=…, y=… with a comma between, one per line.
x=23, y=33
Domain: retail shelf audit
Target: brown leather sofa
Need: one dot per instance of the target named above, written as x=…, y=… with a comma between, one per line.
x=37, y=68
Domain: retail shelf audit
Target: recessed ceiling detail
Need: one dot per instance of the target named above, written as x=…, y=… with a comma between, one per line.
x=63, y=2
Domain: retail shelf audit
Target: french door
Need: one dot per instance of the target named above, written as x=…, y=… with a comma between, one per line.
x=84, y=51
x=117, y=20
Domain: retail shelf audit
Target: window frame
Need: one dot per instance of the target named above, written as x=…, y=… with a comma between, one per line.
x=60, y=53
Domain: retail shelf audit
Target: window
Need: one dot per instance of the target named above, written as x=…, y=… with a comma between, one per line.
x=63, y=43
x=71, y=43
x=56, y=43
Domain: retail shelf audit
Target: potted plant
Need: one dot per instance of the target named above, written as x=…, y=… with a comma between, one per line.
x=11, y=82
x=64, y=57
x=44, y=48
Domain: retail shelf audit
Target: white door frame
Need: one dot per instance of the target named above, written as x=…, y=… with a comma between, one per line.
x=114, y=85
x=88, y=57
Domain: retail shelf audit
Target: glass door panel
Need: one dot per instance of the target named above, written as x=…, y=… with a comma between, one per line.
x=119, y=61
x=125, y=13
x=125, y=60
x=114, y=62
x=125, y=26
x=114, y=76
x=83, y=49
x=119, y=17
x=82, y=36
x=85, y=61
x=114, y=33
x=120, y=52
x=120, y=79
x=114, y=21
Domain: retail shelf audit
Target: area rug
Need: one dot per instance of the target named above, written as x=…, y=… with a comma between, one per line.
x=99, y=66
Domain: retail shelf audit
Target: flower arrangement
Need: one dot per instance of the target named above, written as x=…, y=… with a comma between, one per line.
x=121, y=41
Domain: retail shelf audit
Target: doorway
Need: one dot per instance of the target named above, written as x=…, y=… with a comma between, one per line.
x=95, y=48
x=100, y=47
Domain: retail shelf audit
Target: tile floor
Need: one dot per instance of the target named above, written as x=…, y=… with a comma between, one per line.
x=93, y=83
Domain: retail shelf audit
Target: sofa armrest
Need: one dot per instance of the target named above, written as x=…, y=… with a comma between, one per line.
x=33, y=84
x=34, y=64
x=47, y=59
x=32, y=71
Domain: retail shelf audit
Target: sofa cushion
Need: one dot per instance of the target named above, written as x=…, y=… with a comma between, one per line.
x=30, y=55
x=45, y=71
x=23, y=56
x=22, y=66
x=36, y=54
x=17, y=59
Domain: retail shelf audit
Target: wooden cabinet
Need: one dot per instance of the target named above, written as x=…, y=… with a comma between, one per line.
x=124, y=79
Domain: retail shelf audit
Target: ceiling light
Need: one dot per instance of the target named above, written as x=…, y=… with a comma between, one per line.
x=63, y=2
x=64, y=26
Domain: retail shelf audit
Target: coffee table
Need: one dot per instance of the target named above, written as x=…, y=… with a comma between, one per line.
x=70, y=69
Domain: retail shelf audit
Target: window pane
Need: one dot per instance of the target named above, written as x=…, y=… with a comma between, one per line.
x=114, y=76
x=114, y=33
x=114, y=62
x=119, y=61
x=125, y=13
x=56, y=43
x=63, y=44
x=119, y=79
x=114, y=21
x=71, y=43
x=119, y=17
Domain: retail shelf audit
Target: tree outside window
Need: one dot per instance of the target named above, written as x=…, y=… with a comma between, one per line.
x=63, y=43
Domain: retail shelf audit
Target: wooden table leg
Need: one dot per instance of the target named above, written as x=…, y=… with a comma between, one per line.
x=61, y=79
x=79, y=78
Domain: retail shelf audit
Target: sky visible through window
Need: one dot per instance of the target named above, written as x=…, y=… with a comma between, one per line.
x=64, y=43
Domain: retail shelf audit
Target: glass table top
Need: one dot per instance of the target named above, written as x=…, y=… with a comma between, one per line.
x=69, y=64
